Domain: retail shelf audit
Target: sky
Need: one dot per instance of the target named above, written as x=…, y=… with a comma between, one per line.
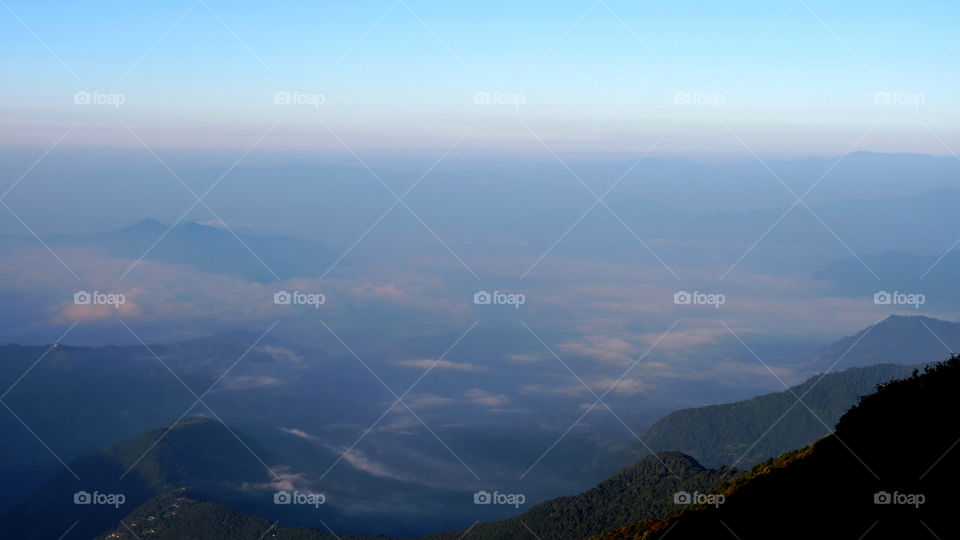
x=588, y=79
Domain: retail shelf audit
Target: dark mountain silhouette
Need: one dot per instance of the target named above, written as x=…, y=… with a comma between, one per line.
x=888, y=471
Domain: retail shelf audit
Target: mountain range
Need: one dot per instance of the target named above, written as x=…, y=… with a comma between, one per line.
x=207, y=246
x=110, y=383
x=886, y=471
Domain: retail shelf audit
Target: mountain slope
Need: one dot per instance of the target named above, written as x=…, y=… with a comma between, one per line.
x=642, y=491
x=737, y=433
x=198, y=453
x=175, y=516
x=116, y=393
x=895, y=445
x=749, y=431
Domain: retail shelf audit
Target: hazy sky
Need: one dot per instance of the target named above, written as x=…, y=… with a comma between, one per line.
x=589, y=78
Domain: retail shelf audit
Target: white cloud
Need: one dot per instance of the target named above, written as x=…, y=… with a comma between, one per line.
x=298, y=433
x=284, y=479
x=440, y=364
x=281, y=354
x=625, y=386
x=246, y=382
x=482, y=397
x=608, y=349
x=358, y=460
x=427, y=400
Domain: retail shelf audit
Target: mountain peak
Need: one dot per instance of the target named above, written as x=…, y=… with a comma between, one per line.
x=194, y=422
x=897, y=320
x=898, y=339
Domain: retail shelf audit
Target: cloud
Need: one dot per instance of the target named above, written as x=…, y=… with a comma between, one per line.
x=358, y=460
x=565, y=390
x=525, y=358
x=284, y=479
x=217, y=224
x=246, y=382
x=299, y=433
x=609, y=349
x=402, y=423
x=749, y=372
x=370, y=291
x=440, y=364
x=427, y=400
x=280, y=354
x=482, y=397
x=691, y=338
x=624, y=387
x=70, y=311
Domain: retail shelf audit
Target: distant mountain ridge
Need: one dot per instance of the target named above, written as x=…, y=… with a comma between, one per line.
x=205, y=247
x=935, y=276
x=897, y=339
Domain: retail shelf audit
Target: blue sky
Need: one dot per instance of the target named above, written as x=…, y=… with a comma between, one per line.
x=585, y=78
